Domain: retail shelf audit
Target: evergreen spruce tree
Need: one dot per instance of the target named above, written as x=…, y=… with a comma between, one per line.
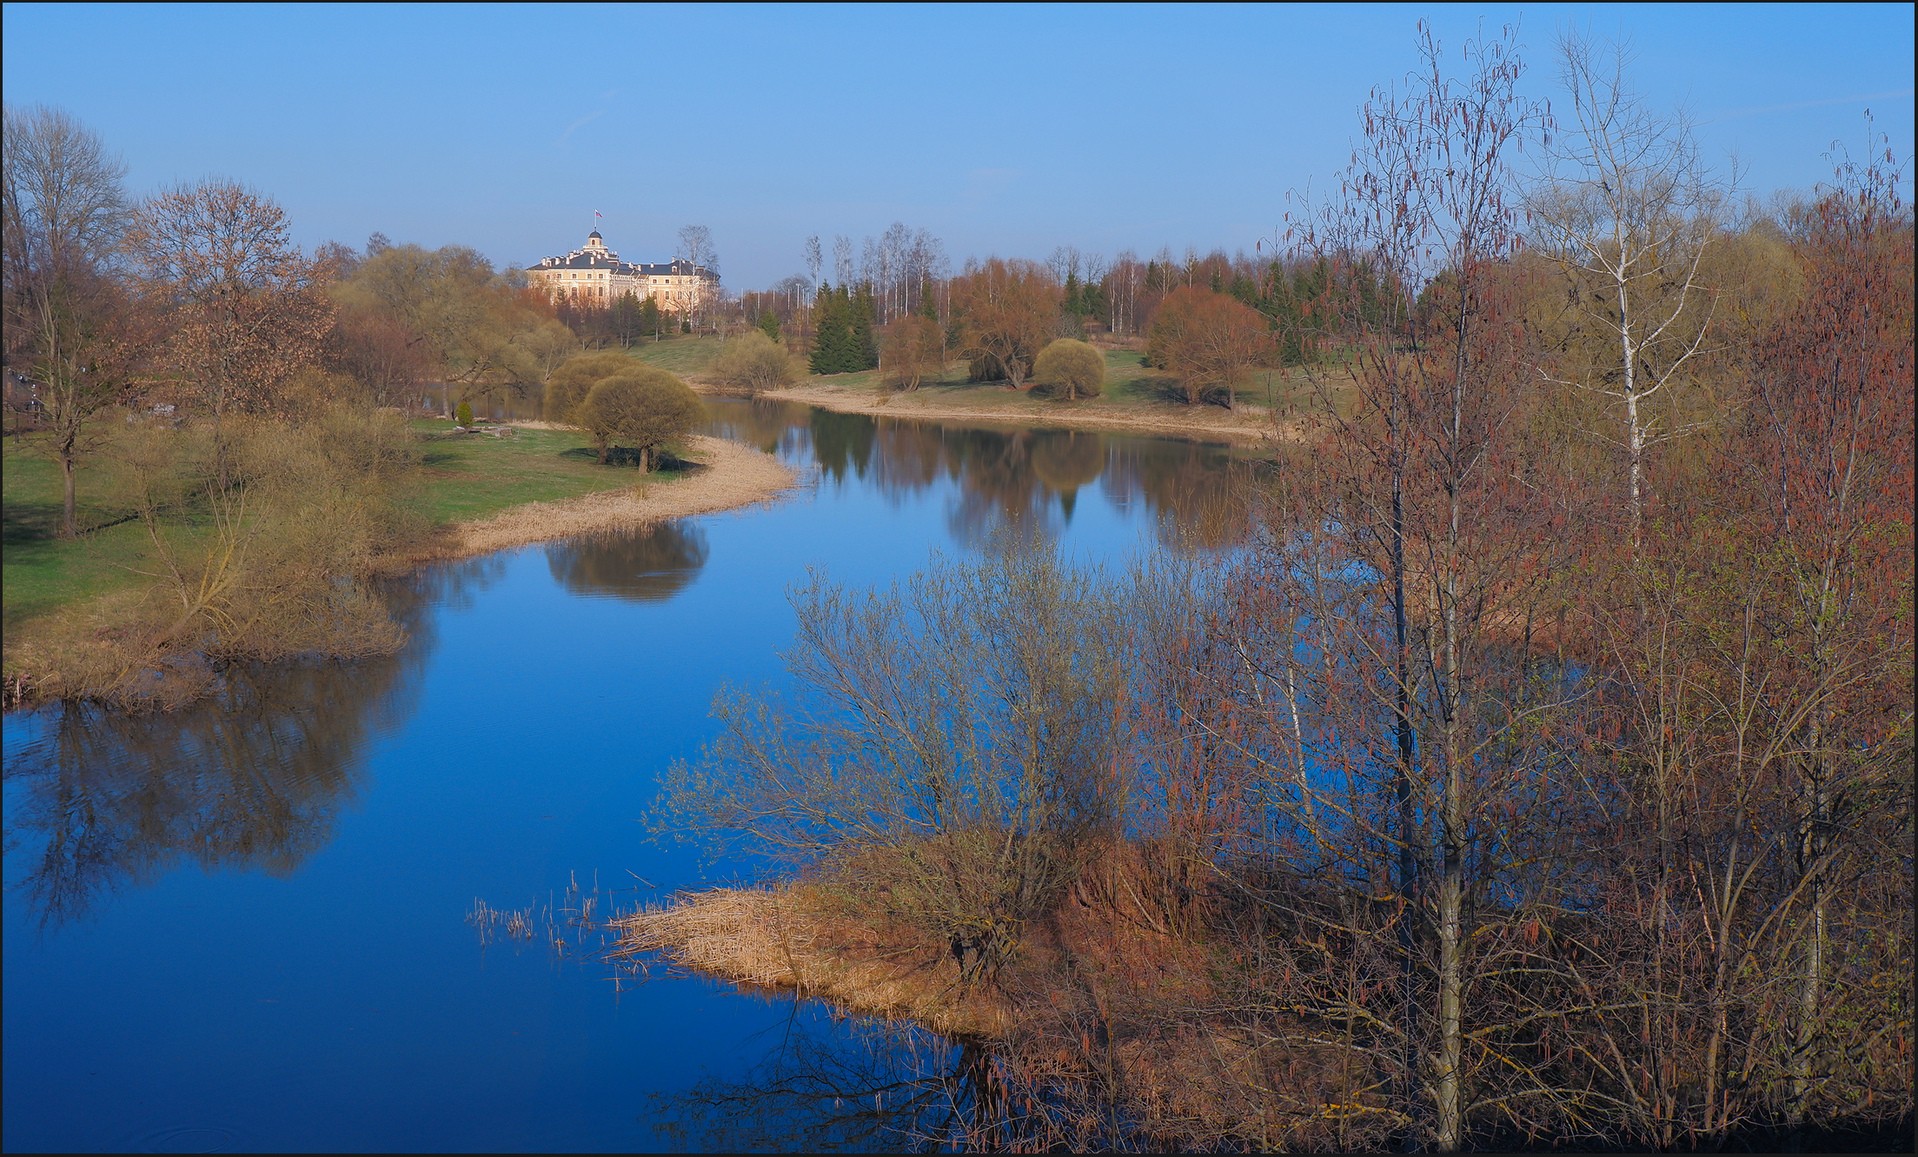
x=830, y=332
x=864, y=347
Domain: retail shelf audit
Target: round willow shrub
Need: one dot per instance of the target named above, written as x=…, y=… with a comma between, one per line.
x=568, y=385
x=638, y=411
x=1069, y=369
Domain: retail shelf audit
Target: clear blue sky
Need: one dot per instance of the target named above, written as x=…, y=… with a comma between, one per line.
x=1001, y=129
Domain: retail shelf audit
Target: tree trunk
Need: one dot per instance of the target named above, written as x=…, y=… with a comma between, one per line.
x=68, y=527
x=1403, y=773
x=1445, y=1064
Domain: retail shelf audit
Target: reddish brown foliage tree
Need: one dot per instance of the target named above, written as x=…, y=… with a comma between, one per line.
x=1008, y=311
x=247, y=310
x=1830, y=455
x=1208, y=340
x=913, y=347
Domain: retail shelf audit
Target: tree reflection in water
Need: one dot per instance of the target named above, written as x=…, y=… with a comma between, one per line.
x=1201, y=496
x=887, y=1087
x=648, y=564
x=1019, y=483
x=251, y=777
x=774, y=427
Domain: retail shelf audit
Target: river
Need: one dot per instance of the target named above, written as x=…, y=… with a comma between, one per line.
x=251, y=925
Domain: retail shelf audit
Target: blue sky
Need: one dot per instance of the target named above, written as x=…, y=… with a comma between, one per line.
x=1001, y=129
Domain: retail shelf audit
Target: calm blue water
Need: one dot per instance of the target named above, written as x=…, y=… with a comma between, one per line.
x=245, y=927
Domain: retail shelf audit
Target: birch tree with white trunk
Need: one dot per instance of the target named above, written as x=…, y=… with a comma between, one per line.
x=1627, y=209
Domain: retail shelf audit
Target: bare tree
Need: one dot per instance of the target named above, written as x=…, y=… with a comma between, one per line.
x=1627, y=210
x=912, y=347
x=246, y=308
x=1010, y=310
x=696, y=246
x=1418, y=489
x=869, y=261
x=954, y=745
x=1064, y=263
x=1123, y=284
x=1208, y=340
x=929, y=266
x=895, y=256
x=814, y=259
x=842, y=267
x=66, y=325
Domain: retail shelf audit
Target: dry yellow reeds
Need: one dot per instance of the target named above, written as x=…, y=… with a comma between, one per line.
x=1097, y=999
x=784, y=938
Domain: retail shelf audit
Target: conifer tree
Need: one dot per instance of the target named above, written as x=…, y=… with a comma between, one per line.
x=833, y=332
x=863, y=349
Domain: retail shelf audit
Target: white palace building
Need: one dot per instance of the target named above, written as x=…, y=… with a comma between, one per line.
x=595, y=277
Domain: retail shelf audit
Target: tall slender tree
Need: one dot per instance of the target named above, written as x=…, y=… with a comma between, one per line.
x=1627, y=210
x=1442, y=558
x=69, y=326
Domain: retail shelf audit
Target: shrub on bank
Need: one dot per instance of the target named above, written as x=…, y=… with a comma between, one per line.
x=754, y=362
x=638, y=410
x=568, y=385
x=1069, y=370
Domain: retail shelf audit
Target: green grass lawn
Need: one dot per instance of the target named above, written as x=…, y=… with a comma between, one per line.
x=687, y=355
x=462, y=477
x=473, y=476
x=1130, y=385
x=40, y=572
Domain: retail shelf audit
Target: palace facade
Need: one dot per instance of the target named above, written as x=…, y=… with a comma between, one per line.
x=595, y=276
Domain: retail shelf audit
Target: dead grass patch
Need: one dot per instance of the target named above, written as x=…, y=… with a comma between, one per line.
x=1106, y=1002
x=790, y=937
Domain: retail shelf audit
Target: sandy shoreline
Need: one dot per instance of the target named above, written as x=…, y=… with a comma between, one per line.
x=1248, y=424
x=732, y=476
x=736, y=476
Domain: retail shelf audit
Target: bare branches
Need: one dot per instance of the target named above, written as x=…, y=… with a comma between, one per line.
x=1625, y=208
x=70, y=327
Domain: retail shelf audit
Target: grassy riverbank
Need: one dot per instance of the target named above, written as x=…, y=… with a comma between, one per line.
x=39, y=572
x=468, y=476
x=466, y=494
x=461, y=477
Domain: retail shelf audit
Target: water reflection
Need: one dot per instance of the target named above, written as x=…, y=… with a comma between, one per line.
x=885, y=1087
x=649, y=564
x=1201, y=496
x=774, y=427
x=1020, y=483
x=253, y=776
